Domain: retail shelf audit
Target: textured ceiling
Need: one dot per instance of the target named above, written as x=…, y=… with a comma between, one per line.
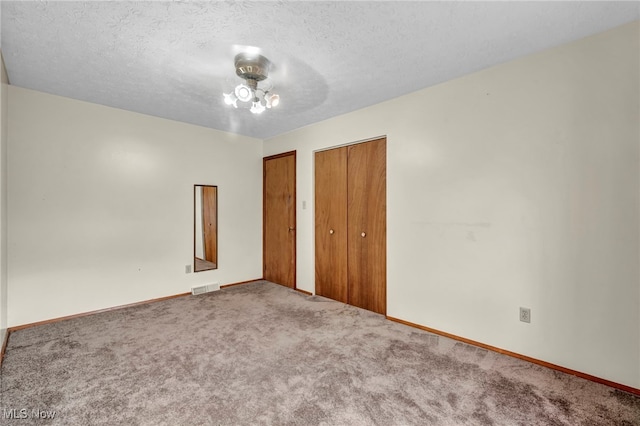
x=174, y=59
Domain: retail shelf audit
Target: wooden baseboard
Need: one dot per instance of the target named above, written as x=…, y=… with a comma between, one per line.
x=421, y=327
x=522, y=357
x=5, y=341
x=241, y=282
x=308, y=293
x=83, y=314
x=98, y=311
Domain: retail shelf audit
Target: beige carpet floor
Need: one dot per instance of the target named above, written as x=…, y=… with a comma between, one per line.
x=263, y=354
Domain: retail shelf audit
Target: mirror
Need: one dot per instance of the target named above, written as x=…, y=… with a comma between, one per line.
x=205, y=203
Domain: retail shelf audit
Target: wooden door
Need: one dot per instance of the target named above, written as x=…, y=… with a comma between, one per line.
x=331, y=223
x=210, y=225
x=279, y=219
x=367, y=225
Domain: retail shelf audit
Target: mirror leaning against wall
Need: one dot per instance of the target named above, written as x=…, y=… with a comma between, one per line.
x=205, y=209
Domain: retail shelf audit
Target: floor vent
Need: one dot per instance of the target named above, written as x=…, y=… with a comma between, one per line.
x=205, y=288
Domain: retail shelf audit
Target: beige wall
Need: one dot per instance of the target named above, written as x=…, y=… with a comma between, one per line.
x=514, y=186
x=101, y=206
x=3, y=198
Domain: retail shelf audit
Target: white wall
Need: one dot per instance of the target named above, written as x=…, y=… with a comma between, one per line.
x=4, y=89
x=514, y=186
x=101, y=206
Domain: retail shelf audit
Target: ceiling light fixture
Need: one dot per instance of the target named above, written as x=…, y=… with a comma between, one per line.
x=252, y=68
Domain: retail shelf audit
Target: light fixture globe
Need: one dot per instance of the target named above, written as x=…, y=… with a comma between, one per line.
x=257, y=107
x=231, y=99
x=272, y=100
x=243, y=93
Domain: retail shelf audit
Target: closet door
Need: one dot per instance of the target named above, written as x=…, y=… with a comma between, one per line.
x=367, y=225
x=331, y=224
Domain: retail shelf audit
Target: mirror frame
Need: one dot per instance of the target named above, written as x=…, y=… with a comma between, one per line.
x=196, y=259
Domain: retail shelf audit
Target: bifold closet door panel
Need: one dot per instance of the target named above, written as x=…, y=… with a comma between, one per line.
x=367, y=222
x=331, y=224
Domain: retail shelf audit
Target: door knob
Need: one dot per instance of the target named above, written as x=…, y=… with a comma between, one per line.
x=331, y=231
x=291, y=228
x=364, y=234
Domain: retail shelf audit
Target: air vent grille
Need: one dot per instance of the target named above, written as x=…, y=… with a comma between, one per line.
x=205, y=288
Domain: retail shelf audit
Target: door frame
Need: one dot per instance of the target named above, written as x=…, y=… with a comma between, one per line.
x=295, y=211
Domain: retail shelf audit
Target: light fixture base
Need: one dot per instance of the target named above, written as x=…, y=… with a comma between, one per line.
x=252, y=67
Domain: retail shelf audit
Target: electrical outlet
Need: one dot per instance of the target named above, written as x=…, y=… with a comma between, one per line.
x=525, y=314
x=187, y=269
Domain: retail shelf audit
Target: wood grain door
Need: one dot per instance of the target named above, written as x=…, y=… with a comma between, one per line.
x=210, y=223
x=367, y=225
x=331, y=224
x=279, y=219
